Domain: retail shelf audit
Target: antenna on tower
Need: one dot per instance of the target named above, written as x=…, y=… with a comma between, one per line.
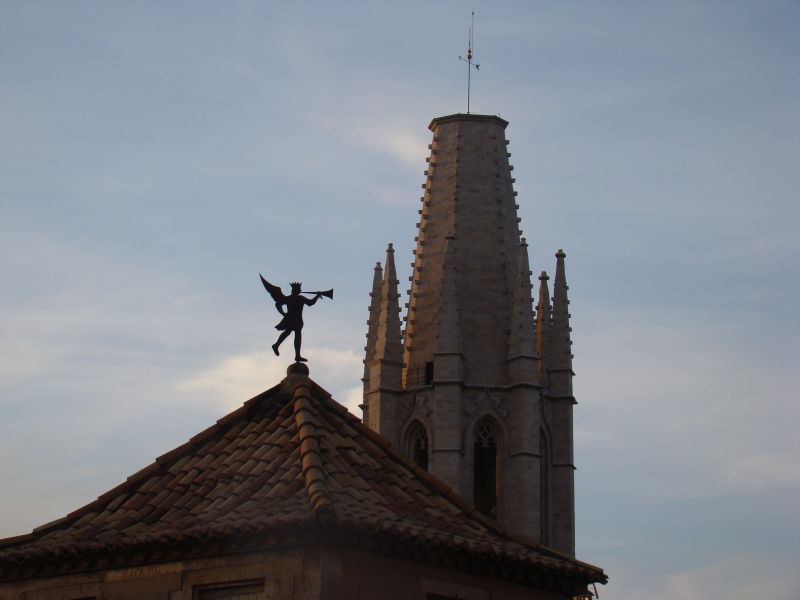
x=468, y=60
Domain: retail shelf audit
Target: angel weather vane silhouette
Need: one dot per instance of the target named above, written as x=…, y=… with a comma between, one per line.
x=293, y=313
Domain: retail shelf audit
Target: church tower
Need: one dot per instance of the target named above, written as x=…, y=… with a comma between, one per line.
x=478, y=388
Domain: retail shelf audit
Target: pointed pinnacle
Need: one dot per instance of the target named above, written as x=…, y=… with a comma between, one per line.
x=388, y=326
x=543, y=326
x=561, y=351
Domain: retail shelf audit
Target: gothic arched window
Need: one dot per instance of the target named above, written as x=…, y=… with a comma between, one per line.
x=484, y=485
x=418, y=444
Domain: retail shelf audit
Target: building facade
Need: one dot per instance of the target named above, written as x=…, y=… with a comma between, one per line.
x=477, y=386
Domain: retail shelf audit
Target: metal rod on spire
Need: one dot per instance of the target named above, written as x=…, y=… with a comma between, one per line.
x=468, y=60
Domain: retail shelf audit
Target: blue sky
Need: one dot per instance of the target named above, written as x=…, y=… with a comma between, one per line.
x=154, y=157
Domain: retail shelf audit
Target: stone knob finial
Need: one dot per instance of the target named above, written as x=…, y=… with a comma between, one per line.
x=297, y=368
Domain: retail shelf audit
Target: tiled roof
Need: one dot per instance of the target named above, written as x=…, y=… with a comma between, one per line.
x=287, y=466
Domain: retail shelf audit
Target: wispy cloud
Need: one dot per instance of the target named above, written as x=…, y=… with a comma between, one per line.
x=236, y=378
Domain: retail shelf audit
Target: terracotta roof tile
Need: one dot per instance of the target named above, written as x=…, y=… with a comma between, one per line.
x=286, y=458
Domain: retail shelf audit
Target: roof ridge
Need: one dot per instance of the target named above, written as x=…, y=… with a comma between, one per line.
x=431, y=481
x=439, y=487
x=310, y=456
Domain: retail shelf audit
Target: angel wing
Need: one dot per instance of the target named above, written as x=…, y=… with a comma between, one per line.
x=274, y=290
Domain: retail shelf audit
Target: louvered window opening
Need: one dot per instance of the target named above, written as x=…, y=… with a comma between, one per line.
x=485, y=470
x=419, y=446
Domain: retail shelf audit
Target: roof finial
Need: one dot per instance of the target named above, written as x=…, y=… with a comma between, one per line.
x=468, y=60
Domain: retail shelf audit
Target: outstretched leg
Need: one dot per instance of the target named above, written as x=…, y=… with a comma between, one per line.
x=284, y=334
x=297, y=341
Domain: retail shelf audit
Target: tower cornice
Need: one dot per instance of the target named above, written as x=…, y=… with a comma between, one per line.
x=466, y=117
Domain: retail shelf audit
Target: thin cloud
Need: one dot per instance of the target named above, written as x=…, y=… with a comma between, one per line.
x=405, y=142
x=234, y=379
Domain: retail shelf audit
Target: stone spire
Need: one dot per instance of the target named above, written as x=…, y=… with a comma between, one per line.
x=469, y=194
x=521, y=343
x=560, y=367
x=387, y=333
x=372, y=322
x=543, y=334
x=488, y=383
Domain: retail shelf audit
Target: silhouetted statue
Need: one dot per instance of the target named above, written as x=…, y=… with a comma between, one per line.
x=293, y=314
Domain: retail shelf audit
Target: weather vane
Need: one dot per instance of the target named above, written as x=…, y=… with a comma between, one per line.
x=468, y=60
x=293, y=313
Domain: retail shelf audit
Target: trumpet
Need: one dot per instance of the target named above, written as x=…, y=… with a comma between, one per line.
x=326, y=293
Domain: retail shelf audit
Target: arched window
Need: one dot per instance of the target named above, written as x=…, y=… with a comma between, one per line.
x=418, y=444
x=485, y=469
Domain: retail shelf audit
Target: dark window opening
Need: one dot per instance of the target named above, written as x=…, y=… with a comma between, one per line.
x=419, y=446
x=485, y=471
x=428, y=373
x=240, y=591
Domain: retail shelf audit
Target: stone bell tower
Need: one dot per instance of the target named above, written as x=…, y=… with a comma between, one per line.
x=478, y=389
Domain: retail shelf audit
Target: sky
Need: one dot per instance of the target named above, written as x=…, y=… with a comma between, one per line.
x=155, y=157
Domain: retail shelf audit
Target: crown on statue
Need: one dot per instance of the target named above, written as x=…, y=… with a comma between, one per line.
x=296, y=284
